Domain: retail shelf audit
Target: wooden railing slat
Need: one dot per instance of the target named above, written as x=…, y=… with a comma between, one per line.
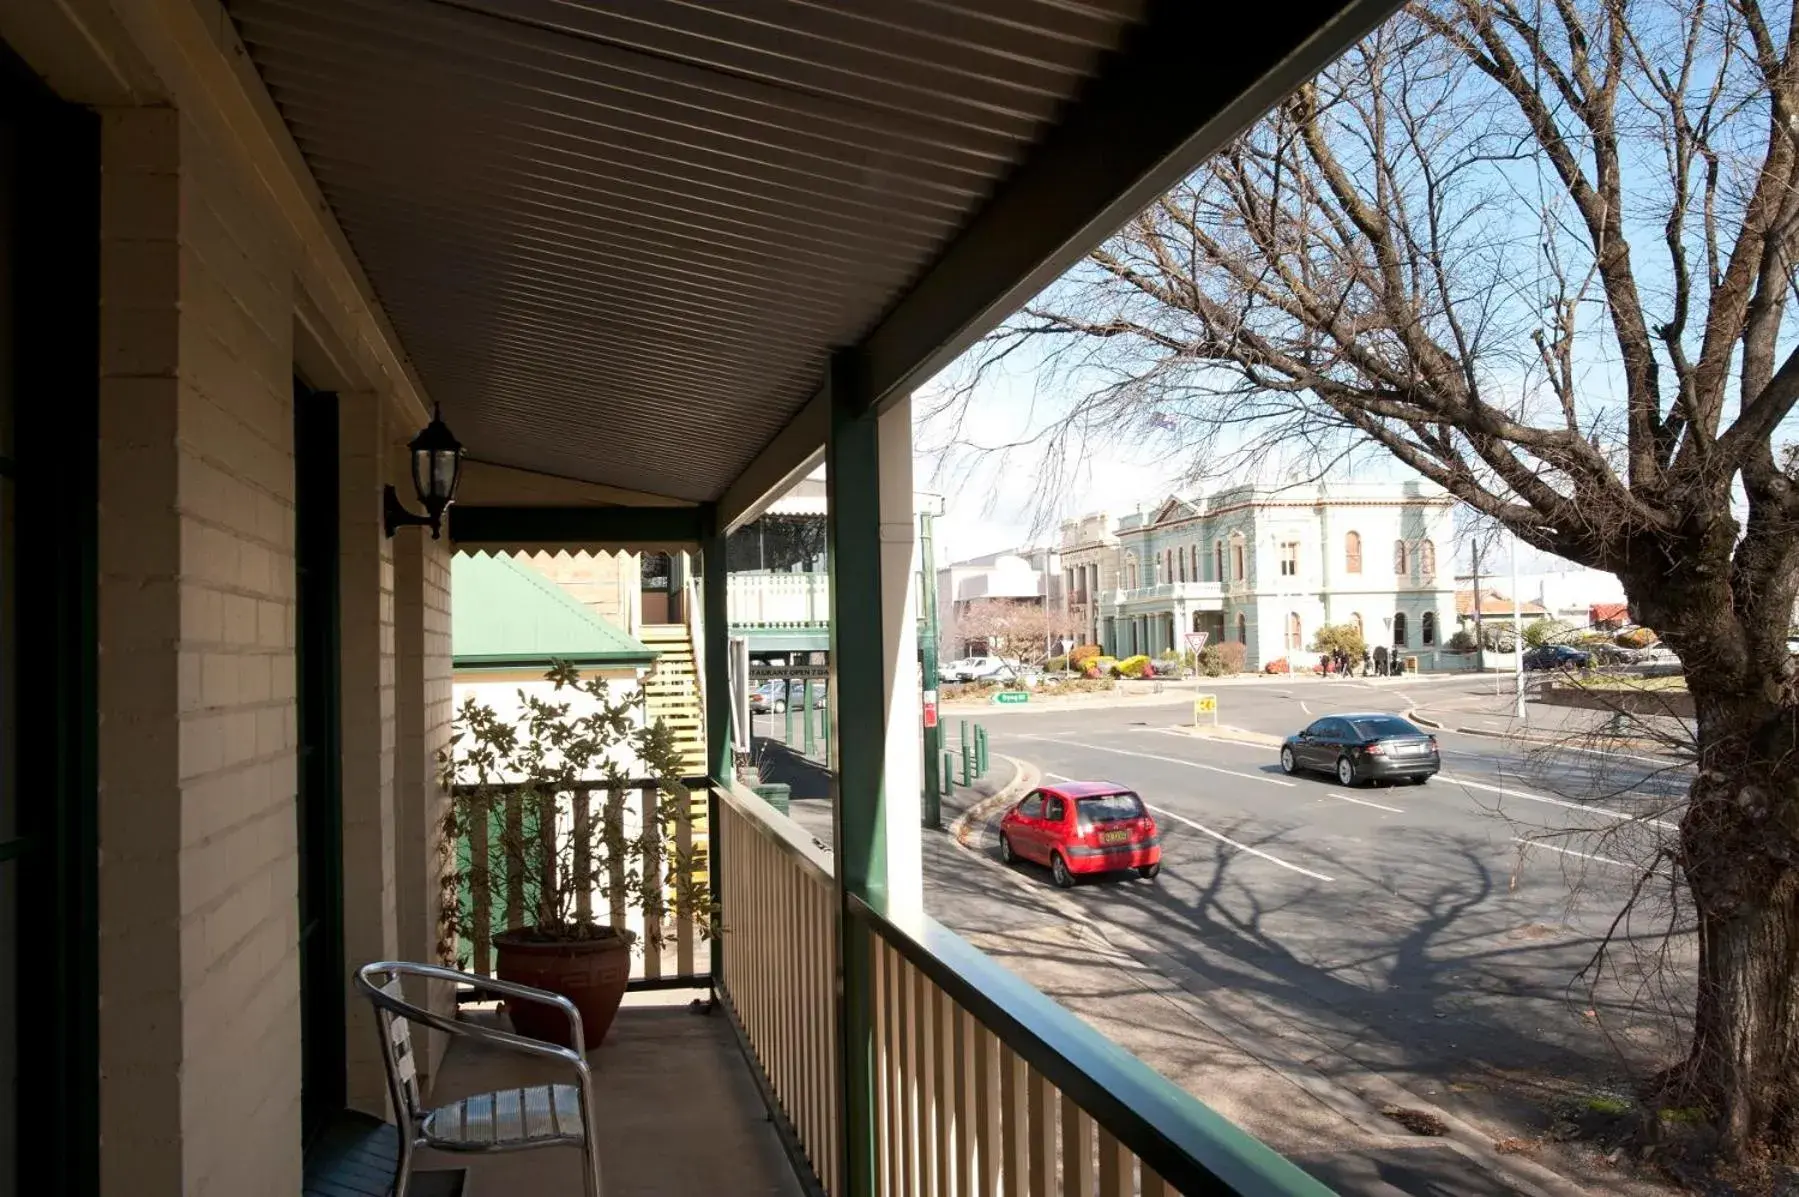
x=1077, y=1150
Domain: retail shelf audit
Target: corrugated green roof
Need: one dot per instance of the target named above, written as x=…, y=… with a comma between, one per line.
x=507, y=615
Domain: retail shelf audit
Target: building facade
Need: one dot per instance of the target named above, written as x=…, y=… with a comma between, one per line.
x=1268, y=567
x=1031, y=576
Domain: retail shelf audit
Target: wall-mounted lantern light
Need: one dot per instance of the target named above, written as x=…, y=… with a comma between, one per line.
x=436, y=466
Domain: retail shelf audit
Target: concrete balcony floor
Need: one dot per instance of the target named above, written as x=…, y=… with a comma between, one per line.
x=679, y=1114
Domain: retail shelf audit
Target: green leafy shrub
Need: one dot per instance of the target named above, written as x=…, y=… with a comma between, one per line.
x=1083, y=653
x=1346, y=637
x=1461, y=642
x=1132, y=667
x=1223, y=659
x=1055, y=664
x=1546, y=631
x=1077, y=685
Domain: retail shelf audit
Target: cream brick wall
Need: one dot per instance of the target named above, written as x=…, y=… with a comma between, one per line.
x=200, y=1015
x=609, y=584
x=366, y=605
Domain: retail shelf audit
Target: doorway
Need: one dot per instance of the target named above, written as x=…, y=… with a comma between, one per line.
x=658, y=578
x=319, y=794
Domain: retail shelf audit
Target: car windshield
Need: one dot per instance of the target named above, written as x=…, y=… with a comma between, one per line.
x=1109, y=808
x=1379, y=727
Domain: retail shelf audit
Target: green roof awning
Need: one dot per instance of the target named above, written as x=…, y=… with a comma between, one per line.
x=506, y=615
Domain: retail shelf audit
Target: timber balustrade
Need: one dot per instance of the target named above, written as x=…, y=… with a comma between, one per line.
x=983, y=1086
x=668, y=927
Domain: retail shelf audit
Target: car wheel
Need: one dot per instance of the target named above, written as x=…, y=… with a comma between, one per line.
x=1005, y=848
x=1345, y=771
x=1148, y=872
x=1288, y=764
x=780, y=707
x=1418, y=781
x=1058, y=872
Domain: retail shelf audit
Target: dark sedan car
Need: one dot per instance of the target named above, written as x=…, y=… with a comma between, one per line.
x=1359, y=748
x=1557, y=656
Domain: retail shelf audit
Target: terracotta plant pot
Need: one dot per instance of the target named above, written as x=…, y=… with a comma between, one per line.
x=591, y=973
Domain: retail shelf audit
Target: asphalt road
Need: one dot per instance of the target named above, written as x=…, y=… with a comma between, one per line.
x=1430, y=933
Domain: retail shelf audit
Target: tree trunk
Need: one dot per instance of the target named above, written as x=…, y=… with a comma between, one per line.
x=1739, y=847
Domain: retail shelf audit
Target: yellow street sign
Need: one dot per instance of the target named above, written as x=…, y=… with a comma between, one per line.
x=1205, y=704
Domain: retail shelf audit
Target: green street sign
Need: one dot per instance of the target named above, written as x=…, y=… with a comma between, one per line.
x=1012, y=696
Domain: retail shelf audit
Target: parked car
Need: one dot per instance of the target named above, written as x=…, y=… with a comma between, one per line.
x=1557, y=656
x=1358, y=748
x=981, y=669
x=772, y=698
x=1080, y=828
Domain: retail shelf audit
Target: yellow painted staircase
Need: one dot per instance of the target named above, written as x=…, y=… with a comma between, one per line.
x=672, y=692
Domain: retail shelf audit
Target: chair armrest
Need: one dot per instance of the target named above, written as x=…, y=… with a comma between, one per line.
x=433, y=972
x=513, y=989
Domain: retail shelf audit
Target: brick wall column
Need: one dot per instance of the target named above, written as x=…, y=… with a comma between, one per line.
x=367, y=672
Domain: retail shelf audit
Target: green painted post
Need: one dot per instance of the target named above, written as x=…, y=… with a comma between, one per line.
x=715, y=667
x=949, y=773
x=858, y=685
x=806, y=716
x=824, y=723
x=980, y=749
x=964, y=740
x=967, y=760
x=787, y=712
x=933, y=729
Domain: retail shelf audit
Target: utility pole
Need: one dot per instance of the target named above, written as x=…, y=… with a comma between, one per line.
x=1517, y=632
x=933, y=732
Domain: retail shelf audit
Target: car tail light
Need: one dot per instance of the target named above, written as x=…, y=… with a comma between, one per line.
x=1374, y=749
x=1433, y=743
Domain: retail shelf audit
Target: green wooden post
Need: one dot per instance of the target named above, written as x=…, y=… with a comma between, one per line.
x=967, y=760
x=949, y=773
x=980, y=749
x=824, y=723
x=716, y=669
x=858, y=684
x=787, y=712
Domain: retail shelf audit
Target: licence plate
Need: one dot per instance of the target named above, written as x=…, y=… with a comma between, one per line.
x=1114, y=837
x=1407, y=749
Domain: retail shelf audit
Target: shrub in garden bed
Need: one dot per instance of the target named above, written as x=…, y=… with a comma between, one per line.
x=1223, y=659
x=1278, y=665
x=1131, y=667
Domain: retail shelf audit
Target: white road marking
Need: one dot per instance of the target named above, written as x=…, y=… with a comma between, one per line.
x=1621, y=816
x=1365, y=802
x=1057, y=777
x=1518, y=839
x=1225, y=839
x=1171, y=760
x=1304, y=707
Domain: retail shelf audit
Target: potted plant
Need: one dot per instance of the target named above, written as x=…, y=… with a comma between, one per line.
x=541, y=833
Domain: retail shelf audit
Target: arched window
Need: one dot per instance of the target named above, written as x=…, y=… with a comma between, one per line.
x=1355, y=617
x=1399, y=630
x=1237, y=563
x=1242, y=629
x=1352, y=553
x=1130, y=573
x=1218, y=561
x=1181, y=564
x=1193, y=552
x=1197, y=620
x=1401, y=559
x=1427, y=561
x=1295, y=635
x=1427, y=626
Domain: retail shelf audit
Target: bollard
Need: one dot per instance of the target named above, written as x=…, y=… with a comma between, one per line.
x=949, y=773
x=787, y=713
x=980, y=749
x=967, y=762
x=806, y=716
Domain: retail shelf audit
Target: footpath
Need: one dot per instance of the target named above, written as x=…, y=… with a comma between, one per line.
x=1477, y=710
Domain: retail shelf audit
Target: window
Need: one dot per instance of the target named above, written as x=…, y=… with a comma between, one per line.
x=1352, y=553
x=1427, y=560
x=1218, y=561
x=1242, y=629
x=1237, y=569
x=1107, y=808
x=1168, y=566
x=1056, y=811
x=1193, y=552
x=1032, y=806
x=1401, y=559
x=1374, y=727
x=1182, y=555
x=1130, y=573
x=1335, y=730
x=1399, y=630
x=1290, y=559
x=1295, y=636
x=1427, y=626
x=1318, y=729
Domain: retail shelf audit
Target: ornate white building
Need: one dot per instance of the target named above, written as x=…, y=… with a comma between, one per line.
x=1267, y=567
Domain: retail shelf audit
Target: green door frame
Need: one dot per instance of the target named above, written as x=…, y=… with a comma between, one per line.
x=54, y=193
x=318, y=657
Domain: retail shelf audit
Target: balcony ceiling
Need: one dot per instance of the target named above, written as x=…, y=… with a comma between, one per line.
x=618, y=240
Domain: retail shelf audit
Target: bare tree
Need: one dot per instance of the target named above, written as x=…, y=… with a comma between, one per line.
x=1541, y=252
x=1023, y=631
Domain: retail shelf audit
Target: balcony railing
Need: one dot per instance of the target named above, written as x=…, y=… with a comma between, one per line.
x=767, y=597
x=1170, y=590
x=980, y=1082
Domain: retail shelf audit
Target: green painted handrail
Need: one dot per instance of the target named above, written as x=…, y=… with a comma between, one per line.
x=1190, y=1145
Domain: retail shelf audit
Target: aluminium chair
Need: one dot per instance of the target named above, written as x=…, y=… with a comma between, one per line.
x=551, y=1115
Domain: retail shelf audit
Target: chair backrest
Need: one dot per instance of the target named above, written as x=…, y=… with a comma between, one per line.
x=393, y=1021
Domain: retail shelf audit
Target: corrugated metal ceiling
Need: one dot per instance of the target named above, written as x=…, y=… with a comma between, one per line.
x=618, y=239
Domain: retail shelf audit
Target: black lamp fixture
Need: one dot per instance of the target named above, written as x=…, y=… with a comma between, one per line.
x=436, y=466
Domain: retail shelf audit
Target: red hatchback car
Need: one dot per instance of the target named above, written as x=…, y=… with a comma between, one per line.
x=1082, y=827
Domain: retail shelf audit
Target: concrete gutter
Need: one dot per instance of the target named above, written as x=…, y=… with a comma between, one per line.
x=967, y=825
